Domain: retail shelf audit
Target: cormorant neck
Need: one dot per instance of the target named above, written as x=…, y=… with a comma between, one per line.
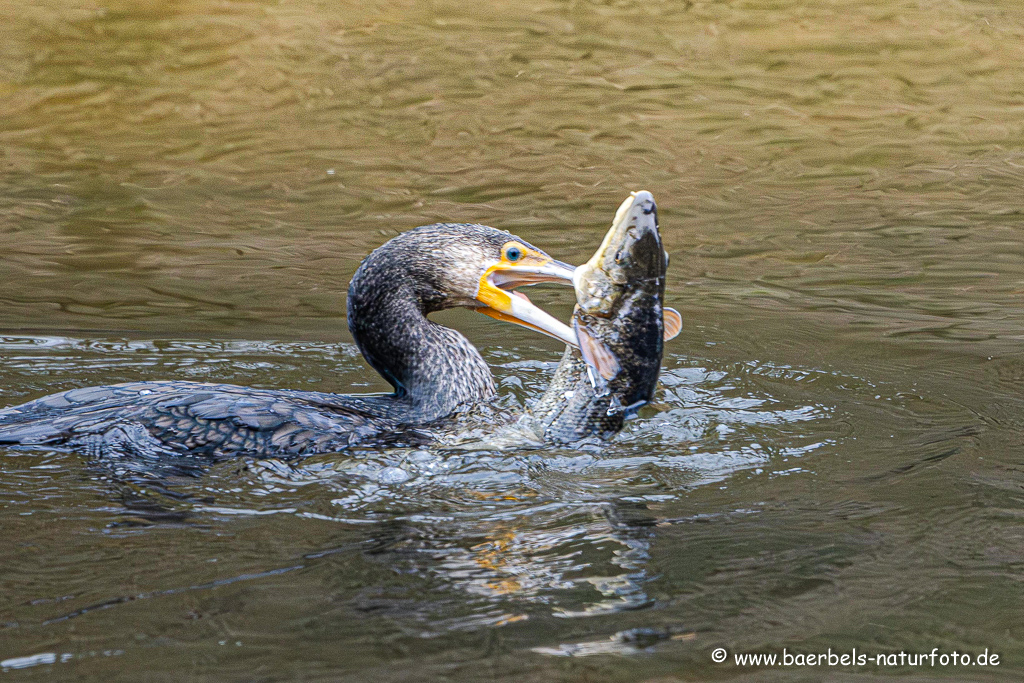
x=433, y=368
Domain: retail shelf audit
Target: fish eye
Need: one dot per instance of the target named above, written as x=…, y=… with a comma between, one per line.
x=513, y=253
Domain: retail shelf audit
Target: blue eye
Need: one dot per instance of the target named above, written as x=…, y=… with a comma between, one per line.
x=513, y=254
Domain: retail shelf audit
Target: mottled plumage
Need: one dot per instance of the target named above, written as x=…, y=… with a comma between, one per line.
x=152, y=419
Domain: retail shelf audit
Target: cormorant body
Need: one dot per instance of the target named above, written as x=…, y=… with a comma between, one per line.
x=434, y=370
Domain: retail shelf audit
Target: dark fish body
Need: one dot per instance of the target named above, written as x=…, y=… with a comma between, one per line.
x=620, y=323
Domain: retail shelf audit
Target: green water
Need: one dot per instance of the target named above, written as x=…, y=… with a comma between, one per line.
x=834, y=457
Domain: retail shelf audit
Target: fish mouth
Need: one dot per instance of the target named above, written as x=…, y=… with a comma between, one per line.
x=499, y=301
x=638, y=213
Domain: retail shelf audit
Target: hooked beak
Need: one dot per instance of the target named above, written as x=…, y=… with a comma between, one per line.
x=501, y=303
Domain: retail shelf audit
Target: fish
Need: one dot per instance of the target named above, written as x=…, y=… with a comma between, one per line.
x=621, y=323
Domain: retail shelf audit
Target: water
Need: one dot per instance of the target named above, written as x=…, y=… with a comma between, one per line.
x=832, y=459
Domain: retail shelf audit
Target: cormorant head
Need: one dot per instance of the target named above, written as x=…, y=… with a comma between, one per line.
x=472, y=266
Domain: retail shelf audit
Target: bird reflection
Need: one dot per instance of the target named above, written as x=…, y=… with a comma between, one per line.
x=577, y=559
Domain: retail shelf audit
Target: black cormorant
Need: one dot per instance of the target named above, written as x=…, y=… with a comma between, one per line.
x=434, y=369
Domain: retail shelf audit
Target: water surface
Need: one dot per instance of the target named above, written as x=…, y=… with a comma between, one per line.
x=832, y=459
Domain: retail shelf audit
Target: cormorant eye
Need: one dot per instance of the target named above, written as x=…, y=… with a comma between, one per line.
x=513, y=254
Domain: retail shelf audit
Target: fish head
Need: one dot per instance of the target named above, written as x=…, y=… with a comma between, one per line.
x=631, y=255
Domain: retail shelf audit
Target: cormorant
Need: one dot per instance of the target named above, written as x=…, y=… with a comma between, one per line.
x=434, y=369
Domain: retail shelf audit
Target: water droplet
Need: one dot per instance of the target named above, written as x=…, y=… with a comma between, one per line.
x=421, y=456
x=393, y=475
